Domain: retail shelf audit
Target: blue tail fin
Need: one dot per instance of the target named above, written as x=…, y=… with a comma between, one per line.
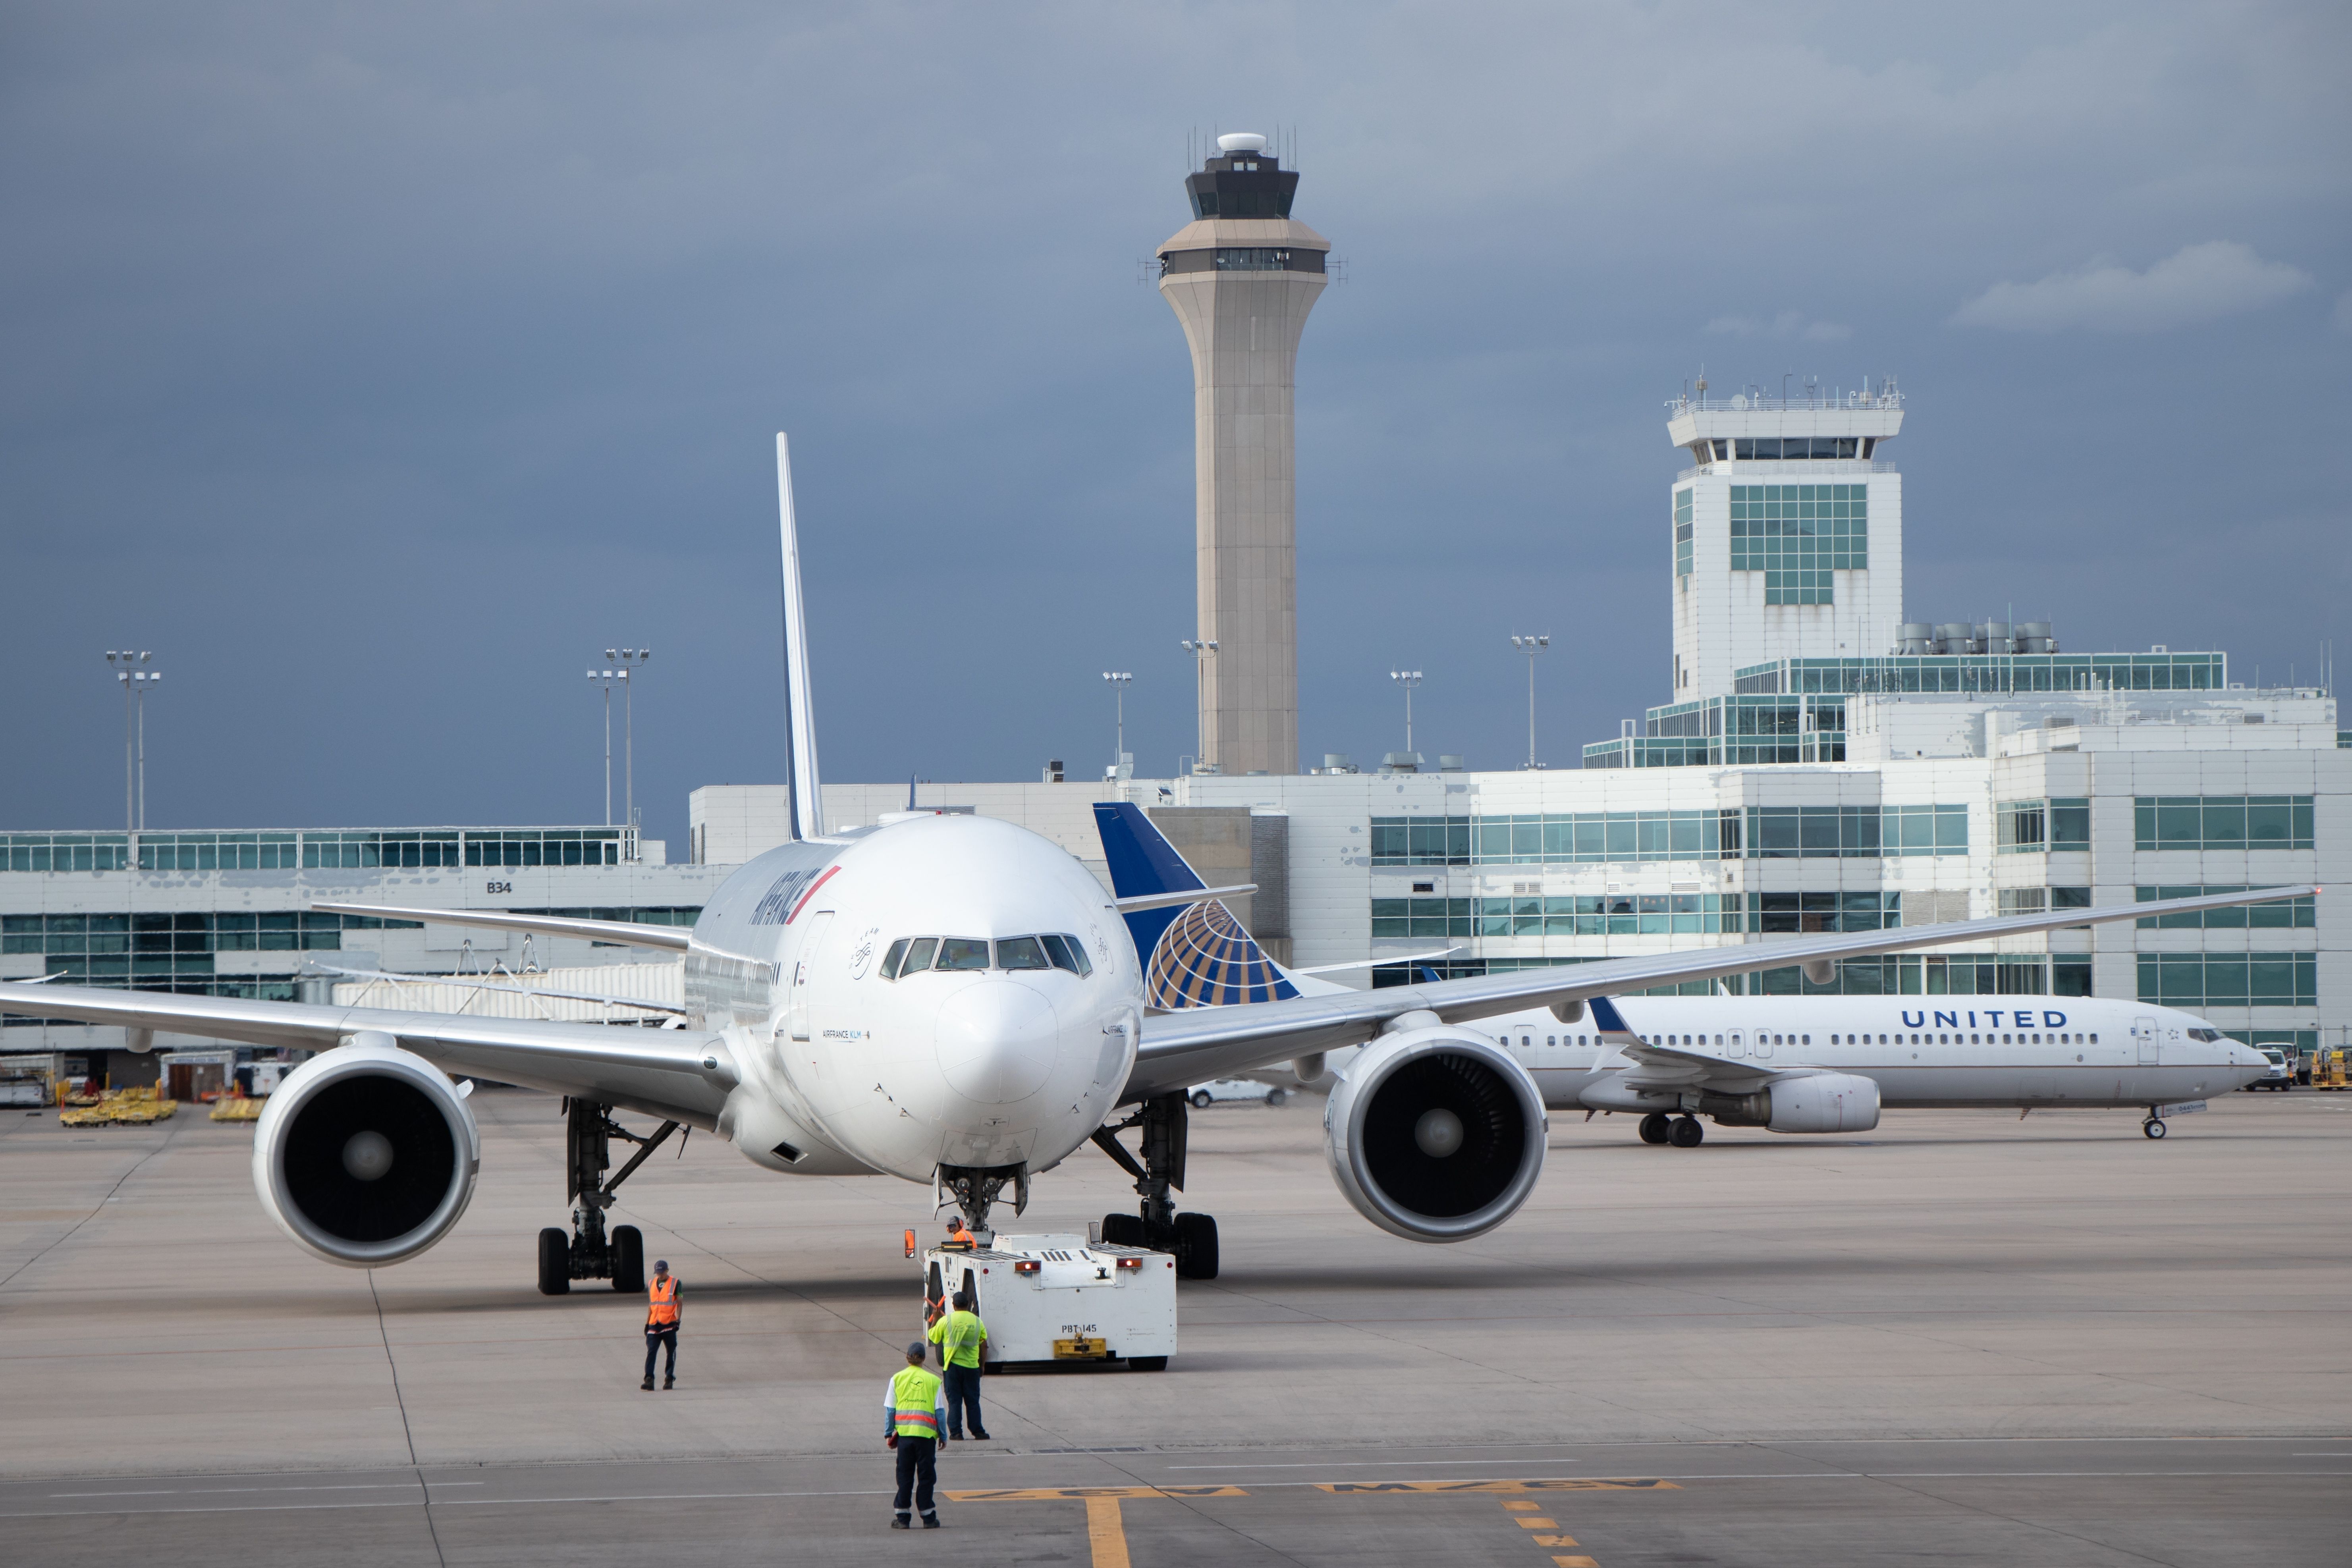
x=1194, y=955
x=1606, y=1018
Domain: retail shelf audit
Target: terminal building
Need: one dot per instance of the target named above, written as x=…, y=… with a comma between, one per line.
x=1825, y=763
x=227, y=913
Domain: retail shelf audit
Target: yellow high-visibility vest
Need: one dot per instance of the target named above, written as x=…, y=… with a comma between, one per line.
x=915, y=1403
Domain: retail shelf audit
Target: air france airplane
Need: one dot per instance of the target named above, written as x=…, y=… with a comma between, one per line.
x=1815, y=1064
x=950, y=1000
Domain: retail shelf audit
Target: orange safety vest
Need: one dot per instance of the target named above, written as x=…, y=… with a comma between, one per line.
x=663, y=1313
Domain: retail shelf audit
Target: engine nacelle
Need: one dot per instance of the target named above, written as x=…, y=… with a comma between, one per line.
x=1816, y=1102
x=366, y=1154
x=1436, y=1135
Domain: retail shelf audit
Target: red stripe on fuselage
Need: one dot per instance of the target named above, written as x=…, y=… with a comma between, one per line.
x=820, y=882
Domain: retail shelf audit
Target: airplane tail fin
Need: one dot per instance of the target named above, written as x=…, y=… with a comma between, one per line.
x=800, y=724
x=1194, y=955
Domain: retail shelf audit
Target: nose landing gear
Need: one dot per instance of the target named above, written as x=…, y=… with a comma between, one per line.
x=1191, y=1237
x=974, y=1189
x=2153, y=1127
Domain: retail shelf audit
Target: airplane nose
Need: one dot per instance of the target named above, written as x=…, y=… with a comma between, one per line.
x=997, y=1041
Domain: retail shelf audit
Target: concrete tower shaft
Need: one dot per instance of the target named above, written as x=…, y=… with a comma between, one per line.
x=1240, y=278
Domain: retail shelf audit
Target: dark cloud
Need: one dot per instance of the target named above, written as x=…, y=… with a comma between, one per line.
x=379, y=366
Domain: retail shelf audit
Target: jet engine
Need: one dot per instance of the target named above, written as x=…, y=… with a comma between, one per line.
x=1436, y=1135
x=366, y=1154
x=1816, y=1102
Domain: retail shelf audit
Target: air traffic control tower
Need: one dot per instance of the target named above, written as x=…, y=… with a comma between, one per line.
x=1241, y=277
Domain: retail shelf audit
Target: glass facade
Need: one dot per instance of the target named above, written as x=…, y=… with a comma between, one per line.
x=312, y=851
x=65, y=851
x=1990, y=672
x=220, y=851
x=2222, y=822
x=176, y=951
x=1894, y=974
x=2195, y=980
x=1758, y=833
x=1798, y=535
x=1631, y=914
x=2287, y=914
x=2039, y=827
x=1683, y=530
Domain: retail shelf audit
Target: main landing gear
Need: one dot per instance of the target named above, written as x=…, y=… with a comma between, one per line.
x=1191, y=1237
x=588, y=1253
x=1682, y=1131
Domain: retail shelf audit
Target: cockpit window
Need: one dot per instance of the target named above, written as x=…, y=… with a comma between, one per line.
x=1055, y=950
x=1020, y=952
x=963, y=952
x=2204, y=1034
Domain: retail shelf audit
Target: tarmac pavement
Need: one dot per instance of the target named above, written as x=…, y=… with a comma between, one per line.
x=1961, y=1337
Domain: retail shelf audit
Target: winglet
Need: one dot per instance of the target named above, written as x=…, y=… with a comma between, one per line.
x=800, y=725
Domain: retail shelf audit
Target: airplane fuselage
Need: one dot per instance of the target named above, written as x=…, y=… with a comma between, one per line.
x=1923, y=1052
x=1006, y=1049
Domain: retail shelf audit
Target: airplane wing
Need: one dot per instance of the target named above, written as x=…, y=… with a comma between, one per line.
x=627, y=933
x=677, y=1074
x=1199, y=1044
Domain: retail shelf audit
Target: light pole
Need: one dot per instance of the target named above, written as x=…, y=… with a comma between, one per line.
x=1119, y=682
x=1531, y=647
x=1201, y=652
x=1408, y=679
x=629, y=658
x=135, y=683
x=604, y=678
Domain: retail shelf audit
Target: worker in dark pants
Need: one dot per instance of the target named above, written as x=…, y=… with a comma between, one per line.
x=912, y=1408
x=661, y=1322
x=960, y=1336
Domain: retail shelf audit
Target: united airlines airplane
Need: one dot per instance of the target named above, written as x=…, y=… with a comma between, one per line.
x=952, y=1000
x=1815, y=1064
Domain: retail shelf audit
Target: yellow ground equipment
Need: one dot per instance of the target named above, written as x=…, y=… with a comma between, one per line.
x=2327, y=1069
x=129, y=1106
x=237, y=1108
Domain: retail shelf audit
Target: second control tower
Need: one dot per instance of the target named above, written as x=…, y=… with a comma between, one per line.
x=1241, y=277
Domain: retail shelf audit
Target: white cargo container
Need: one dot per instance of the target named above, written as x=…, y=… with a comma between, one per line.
x=1050, y=1299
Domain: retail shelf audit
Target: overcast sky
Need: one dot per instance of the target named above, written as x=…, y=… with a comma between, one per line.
x=377, y=367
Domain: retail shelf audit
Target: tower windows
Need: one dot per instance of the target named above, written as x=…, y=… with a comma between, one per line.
x=1240, y=258
x=1798, y=536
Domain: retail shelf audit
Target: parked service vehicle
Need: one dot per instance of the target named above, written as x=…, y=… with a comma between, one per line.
x=2281, y=1073
x=1050, y=1299
x=1204, y=1095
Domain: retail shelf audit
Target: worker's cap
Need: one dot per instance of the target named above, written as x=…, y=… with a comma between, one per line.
x=915, y=1351
x=659, y=1262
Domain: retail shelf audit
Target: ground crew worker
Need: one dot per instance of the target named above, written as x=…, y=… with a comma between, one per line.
x=661, y=1322
x=956, y=1233
x=959, y=1334
x=911, y=1409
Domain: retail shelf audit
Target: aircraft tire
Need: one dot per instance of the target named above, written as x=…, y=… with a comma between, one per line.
x=1656, y=1128
x=628, y=1259
x=2152, y=1128
x=1688, y=1134
x=1123, y=1230
x=554, y=1263
x=1196, y=1247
